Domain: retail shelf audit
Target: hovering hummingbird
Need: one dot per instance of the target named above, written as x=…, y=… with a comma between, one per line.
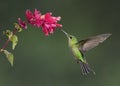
x=78, y=49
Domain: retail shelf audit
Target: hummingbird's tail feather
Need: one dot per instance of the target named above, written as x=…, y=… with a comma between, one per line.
x=85, y=68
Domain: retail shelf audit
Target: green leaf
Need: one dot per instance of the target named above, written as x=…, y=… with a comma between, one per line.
x=9, y=33
x=14, y=40
x=17, y=26
x=9, y=56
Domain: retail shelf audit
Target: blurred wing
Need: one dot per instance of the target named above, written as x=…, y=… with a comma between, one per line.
x=92, y=42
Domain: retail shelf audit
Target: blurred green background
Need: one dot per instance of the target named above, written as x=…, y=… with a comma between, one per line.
x=47, y=61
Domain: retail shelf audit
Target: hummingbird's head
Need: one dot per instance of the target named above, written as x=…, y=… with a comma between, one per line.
x=72, y=39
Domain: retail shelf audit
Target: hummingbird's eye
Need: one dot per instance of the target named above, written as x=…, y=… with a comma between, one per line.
x=70, y=37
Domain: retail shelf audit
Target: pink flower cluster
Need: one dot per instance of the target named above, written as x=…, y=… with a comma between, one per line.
x=47, y=22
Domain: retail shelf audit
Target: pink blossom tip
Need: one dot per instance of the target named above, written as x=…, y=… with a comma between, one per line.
x=22, y=24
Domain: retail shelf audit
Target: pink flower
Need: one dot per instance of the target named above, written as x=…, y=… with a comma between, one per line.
x=46, y=21
x=34, y=18
x=22, y=23
x=50, y=23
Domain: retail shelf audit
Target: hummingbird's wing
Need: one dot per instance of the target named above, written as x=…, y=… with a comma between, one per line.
x=92, y=42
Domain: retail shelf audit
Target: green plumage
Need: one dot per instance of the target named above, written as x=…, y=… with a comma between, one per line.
x=76, y=52
x=78, y=48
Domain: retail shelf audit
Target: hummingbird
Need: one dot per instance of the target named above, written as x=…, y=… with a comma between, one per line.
x=79, y=48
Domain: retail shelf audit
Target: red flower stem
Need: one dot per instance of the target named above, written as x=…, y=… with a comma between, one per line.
x=6, y=43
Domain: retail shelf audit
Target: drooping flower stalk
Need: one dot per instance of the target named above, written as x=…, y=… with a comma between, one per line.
x=46, y=22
